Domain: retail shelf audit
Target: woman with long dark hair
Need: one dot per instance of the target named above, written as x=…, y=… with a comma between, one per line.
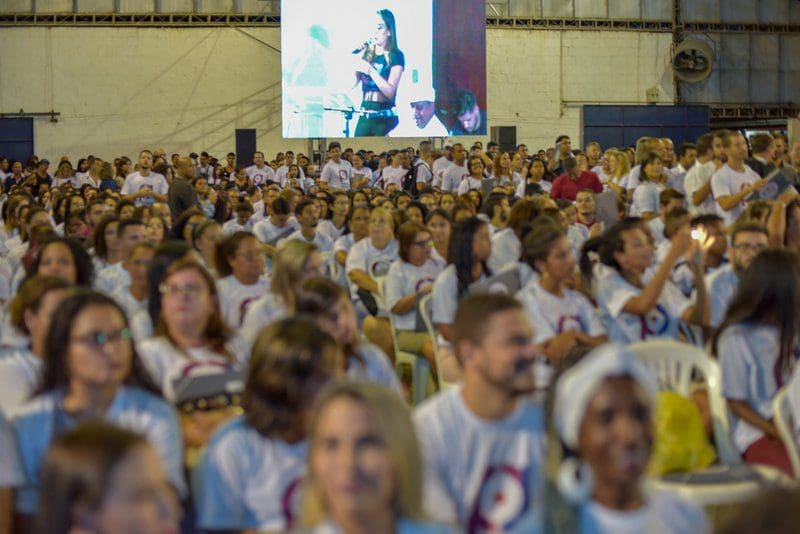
x=379, y=72
x=92, y=372
x=757, y=347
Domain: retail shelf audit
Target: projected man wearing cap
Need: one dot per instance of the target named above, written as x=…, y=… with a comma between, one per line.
x=426, y=123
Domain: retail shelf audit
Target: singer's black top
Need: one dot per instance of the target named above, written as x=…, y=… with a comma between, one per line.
x=383, y=67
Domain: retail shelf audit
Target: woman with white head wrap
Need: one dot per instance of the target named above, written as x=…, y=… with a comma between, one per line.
x=600, y=442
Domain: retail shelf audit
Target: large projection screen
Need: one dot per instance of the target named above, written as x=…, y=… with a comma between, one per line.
x=395, y=68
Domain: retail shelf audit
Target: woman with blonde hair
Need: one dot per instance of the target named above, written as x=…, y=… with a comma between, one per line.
x=295, y=262
x=364, y=464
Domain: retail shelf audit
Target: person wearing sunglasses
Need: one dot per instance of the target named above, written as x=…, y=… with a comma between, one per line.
x=91, y=372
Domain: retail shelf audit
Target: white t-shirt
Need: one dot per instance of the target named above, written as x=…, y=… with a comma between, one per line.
x=376, y=368
x=283, y=171
x=262, y=175
x=544, y=184
x=11, y=473
x=369, y=259
x=322, y=241
x=403, y=280
x=506, y=249
x=233, y=226
x=337, y=175
x=167, y=363
x=468, y=183
x=663, y=513
x=613, y=292
x=112, y=278
x=439, y=166
x=424, y=173
x=267, y=232
x=480, y=475
x=248, y=481
x=645, y=198
x=393, y=175
x=551, y=315
x=727, y=182
x=327, y=227
x=722, y=284
x=452, y=177
x=267, y=309
x=696, y=178
x=134, y=182
x=235, y=297
x=20, y=374
x=748, y=356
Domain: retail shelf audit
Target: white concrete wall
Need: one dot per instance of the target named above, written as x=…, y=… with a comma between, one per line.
x=121, y=89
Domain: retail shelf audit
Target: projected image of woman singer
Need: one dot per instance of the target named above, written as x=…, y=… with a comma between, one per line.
x=379, y=72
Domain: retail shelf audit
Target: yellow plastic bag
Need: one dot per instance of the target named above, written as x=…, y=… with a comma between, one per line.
x=680, y=443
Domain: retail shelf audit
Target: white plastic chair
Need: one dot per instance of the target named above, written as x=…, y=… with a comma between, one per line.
x=731, y=481
x=784, y=420
x=426, y=311
x=420, y=368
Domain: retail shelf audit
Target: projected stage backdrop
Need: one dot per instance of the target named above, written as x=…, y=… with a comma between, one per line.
x=397, y=68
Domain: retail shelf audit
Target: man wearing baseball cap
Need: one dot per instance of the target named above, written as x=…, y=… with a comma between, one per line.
x=426, y=123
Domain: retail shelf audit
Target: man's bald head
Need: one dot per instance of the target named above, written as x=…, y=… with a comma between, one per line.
x=185, y=168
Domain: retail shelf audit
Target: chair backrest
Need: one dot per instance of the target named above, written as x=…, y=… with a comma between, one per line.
x=426, y=311
x=674, y=364
x=783, y=416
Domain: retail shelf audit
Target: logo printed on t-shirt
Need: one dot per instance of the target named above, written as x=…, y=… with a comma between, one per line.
x=655, y=322
x=502, y=500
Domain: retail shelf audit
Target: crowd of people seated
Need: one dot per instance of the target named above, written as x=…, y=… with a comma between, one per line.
x=192, y=344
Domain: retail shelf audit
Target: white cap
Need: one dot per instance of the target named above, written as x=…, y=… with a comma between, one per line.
x=576, y=386
x=420, y=93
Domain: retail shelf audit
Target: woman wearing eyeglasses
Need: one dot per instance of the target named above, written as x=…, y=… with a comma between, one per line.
x=91, y=372
x=191, y=339
x=410, y=278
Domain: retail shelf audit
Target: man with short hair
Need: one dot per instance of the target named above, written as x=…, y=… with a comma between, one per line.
x=667, y=152
x=204, y=168
x=697, y=183
x=563, y=150
x=307, y=215
x=91, y=176
x=483, y=441
x=792, y=170
x=763, y=146
x=144, y=187
x=456, y=171
x=130, y=232
x=734, y=182
x=780, y=158
x=586, y=206
x=440, y=165
x=181, y=195
x=337, y=173
x=492, y=149
x=573, y=180
x=668, y=200
x=747, y=240
x=278, y=225
x=259, y=172
x=593, y=155
x=471, y=118
x=95, y=211
x=687, y=155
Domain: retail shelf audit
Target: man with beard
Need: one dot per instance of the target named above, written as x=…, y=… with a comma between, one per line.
x=307, y=214
x=483, y=441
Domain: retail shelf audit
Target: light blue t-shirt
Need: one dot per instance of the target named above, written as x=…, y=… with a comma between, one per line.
x=613, y=292
x=248, y=481
x=42, y=419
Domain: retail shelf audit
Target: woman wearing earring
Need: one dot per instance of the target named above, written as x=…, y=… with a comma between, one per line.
x=379, y=72
x=601, y=438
